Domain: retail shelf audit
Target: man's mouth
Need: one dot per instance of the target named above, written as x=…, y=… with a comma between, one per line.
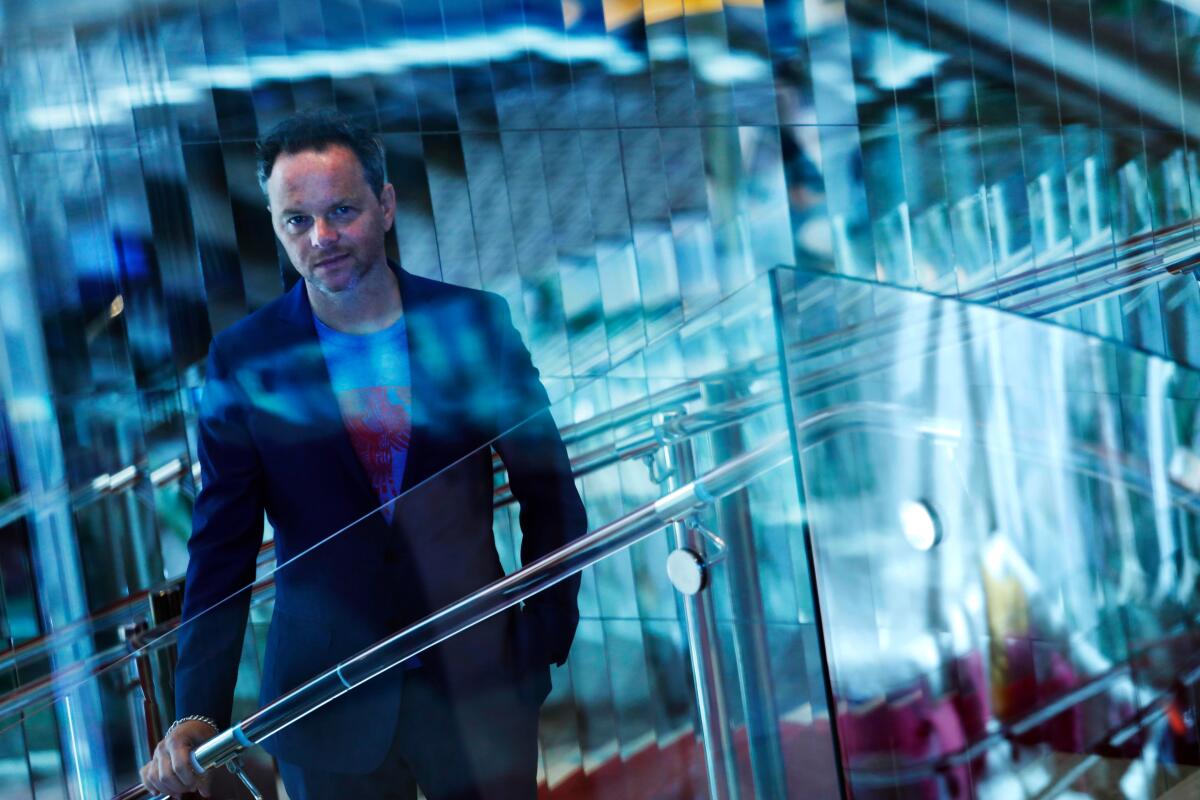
x=332, y=261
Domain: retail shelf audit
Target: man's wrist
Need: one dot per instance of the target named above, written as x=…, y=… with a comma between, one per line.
x=209, y=721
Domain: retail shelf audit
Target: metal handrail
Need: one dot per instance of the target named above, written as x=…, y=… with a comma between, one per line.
x=136, y=604
x=653, y=439
x=487, y=602
x=865, y=414
x=46, y=688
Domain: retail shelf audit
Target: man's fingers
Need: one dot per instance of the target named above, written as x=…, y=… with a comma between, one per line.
x=148, y=780
x=181, y=765
x=167, y=780
x=204, y=784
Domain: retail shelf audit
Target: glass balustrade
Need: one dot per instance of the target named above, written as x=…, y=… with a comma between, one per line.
x=1004, y=533
x=984, y=586
x=619, y=717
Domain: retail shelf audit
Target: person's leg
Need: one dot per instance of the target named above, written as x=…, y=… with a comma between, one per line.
x=480, y=746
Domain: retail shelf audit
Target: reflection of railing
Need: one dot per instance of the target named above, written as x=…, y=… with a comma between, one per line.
x=1046, y=289
x=135, y=607
x=927, y=769
x=47, y=688
x=102, y=485
x=1082, y=459
x=129, y=609
x=492, y=599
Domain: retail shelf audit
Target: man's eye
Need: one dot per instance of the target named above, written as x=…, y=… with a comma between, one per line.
x=296, y=221
x=342, y=211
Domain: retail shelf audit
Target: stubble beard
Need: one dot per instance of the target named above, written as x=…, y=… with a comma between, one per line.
x=358, y=272
x=361, y=270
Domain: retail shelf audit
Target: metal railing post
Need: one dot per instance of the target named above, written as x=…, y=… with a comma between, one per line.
x=701, y=628
x=144, y=710
x=165, y=605
x=749, y=631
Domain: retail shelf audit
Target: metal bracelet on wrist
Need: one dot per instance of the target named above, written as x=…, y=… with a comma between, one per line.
x=209, y=721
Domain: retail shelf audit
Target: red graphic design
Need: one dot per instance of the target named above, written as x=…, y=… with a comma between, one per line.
x=378, y=421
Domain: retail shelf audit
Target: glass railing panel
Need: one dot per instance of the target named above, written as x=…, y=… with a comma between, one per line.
x=618, y=718
x=1005, y=552
x=770, y=682
x=628, y=610
x=132, y=691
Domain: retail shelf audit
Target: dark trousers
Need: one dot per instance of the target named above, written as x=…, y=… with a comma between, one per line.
x=454, y=747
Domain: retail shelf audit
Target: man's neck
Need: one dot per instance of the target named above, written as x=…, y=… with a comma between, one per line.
x=371, y=305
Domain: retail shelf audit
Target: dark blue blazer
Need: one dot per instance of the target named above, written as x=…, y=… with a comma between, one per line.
x=271, y=438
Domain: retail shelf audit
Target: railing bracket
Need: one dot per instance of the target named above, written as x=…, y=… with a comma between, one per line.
x=687, y=571
x=658, y=473
x=235, y=766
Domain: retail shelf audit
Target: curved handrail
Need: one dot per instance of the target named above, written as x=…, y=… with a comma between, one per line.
x=136, y=604
x=870, y=415
x=47, y=688
x=487, y=602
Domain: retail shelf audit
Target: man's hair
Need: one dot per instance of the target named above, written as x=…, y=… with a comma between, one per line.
x=317, y=130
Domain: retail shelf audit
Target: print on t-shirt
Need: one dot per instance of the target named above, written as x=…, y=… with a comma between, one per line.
x=371, y=379
x=379, y=423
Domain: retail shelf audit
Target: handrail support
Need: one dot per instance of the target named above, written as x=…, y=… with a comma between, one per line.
x=688, y=571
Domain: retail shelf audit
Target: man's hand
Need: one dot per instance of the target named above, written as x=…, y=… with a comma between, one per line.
x=170, y=770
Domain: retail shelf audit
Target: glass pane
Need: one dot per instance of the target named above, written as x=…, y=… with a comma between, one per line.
x=1005, y=539
x=619, y=709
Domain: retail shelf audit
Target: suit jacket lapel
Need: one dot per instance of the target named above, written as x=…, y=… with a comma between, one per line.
x=421, y=328
x=330, y=442
x=331, y=439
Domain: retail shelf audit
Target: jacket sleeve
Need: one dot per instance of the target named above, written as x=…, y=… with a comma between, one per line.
x=227, y=531
x=539, y=474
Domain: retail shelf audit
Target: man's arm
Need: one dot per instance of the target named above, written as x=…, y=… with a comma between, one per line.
x=227, y=531
x=539, y=474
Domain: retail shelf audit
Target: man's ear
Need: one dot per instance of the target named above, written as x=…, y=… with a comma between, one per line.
x=387, y=199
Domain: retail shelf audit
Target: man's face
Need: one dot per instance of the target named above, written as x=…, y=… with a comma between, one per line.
x=330, y=222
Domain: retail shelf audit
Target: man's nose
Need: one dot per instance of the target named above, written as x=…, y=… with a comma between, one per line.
x=322, y=233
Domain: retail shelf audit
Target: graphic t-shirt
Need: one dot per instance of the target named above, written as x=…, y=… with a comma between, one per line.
x=370, y=376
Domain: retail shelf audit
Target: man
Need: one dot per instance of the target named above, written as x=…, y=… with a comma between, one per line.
x=362, y=383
